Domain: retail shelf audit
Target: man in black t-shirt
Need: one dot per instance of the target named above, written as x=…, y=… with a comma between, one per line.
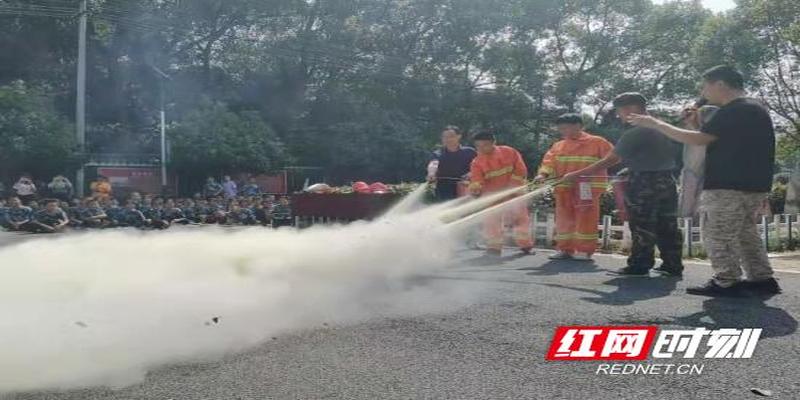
x=740, y=162
x=450, y=164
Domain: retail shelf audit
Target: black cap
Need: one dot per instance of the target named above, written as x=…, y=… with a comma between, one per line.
x=571, y=118
x=484, y=135
x=630, y=99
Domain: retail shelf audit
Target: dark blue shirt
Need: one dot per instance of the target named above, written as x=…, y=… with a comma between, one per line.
x=281, y=211
x=243, y=216
x=251, y=190
x=151, y=213
x=212, y=189
x=454, y=164
x=57, y=217
x=171, y=214
x=92, y=212
x=19, y=214
x=115, y=213
x=132, y=217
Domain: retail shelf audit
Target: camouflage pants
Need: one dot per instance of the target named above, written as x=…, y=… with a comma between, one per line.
x=651, y=200
x=730, y=233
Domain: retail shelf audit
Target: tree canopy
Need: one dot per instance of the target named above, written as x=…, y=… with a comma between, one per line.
x=362, y=88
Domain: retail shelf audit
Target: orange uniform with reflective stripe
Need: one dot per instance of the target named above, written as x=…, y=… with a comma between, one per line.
x=576, y=223
x=503, y=169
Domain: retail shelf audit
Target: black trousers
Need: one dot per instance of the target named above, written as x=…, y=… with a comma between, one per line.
x=651, y=200
x=446, y=191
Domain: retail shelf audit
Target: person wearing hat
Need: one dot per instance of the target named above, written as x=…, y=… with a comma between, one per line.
x=651, y=197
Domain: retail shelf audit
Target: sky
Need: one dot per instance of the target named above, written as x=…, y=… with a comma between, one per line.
x=715, y=5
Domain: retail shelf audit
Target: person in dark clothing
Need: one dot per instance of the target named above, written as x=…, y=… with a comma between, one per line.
x=282, y=213
x=651, y=196
x=51, y=219
x=93, y=216
x=74, y=212
x=450, y=164
x=114, y=212
x=3, y=211
x=263, y=212
x=153, y=211
x=739, y=168
x=18, y=217
x=241, y=216
x=212, y=188
x=132, y=217
x=251, y=189
x=172, y=214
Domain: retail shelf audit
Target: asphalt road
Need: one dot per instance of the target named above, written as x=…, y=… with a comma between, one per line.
x=494, y=348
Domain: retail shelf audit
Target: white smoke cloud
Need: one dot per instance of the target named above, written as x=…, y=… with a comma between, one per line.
x=103, y=308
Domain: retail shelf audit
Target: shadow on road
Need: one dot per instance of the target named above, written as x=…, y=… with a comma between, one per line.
x=486, y=261
x=628, y=290
x=560, y=267
x=741, y=313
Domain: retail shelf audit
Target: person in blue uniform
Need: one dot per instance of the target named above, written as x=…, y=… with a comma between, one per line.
x=93, y=216
x=282, y=213
x=17, y=216
x=172, y=214
x=132, y=217
x=51, y=219
x=240, y=216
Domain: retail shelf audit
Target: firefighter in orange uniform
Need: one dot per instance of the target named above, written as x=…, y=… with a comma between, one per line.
x=577, y=203
x=497, y=168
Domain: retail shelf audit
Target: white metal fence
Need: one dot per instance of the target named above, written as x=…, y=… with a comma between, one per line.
x=778, y=233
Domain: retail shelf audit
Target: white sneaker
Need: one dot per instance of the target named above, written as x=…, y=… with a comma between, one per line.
x=582, y=257
x=560, y=256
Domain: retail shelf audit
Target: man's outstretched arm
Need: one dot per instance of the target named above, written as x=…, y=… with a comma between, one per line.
x=609, y=161
x=686, y=136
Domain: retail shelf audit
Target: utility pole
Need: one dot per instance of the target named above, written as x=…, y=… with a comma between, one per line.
x=80, y=102
x=162, y=77
x=163, y=140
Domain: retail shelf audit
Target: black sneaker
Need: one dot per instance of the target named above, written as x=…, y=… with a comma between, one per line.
x=768, y=286
x=669, y=271
x=632, y=271
x=711, y=289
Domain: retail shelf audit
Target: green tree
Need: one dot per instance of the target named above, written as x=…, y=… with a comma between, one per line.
x=34, y=138
x=214, y=140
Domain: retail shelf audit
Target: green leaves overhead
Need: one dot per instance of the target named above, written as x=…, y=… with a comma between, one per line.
x=362, y=87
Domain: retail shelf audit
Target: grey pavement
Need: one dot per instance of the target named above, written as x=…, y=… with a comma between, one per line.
x=495, y=347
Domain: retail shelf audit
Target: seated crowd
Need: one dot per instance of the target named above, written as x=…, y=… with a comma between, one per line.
x=143, y=211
